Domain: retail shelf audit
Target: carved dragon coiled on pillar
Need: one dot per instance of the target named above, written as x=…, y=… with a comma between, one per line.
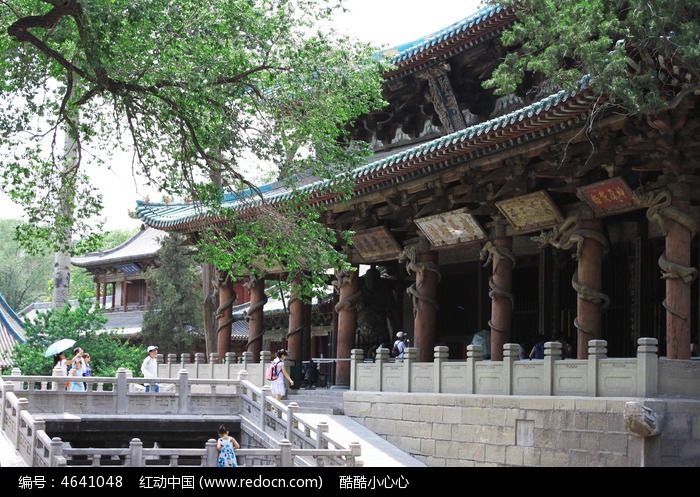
x=564, y=237
x=247, y=315
x=417, y=268
x=660, y=211
x=224, y=326
x=350, y=302
x=496, y=291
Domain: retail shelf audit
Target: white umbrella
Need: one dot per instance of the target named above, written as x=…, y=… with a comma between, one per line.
x=59, y=346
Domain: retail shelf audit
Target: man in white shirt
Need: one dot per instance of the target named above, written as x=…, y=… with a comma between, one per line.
x=149, y=367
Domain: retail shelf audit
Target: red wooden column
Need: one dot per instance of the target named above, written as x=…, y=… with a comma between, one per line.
x=224, y=315
x=678, y=275
x=124, y=290
x=254, y=315
x=114, y=294
x=148, y=292
x=423, y=263
x=98, y=293
x=500, y=290
x=348, y=286
x=296, y=324
x=588, y=283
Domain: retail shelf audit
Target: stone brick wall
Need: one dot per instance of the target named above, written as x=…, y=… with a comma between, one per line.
x=479, y=430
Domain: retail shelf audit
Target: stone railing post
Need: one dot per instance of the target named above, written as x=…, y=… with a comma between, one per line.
x=185, y=358
x=355, y=452
x=285, y=453
x=212, y=453
x=356, y=358
x=39, y=425
x=172, y=365
x=213, y=361
x=230, y=359
x=22, y=405
x=122, y=388
x=55, y=451
x=265, y=358
x=57, y=385
x=409, y=356
x=183, y=392
x=511, y=353
x=647, y=367
x=440, y=355
x=247, y=359
x=597, y=350
x=19, y=384
x=9, y=387
x=552, y=352
x=292, y=410
x=473, y=356
x=264, y=399
x=321, y=441
x=199, y=362
x=135, y=453
x=381, y=358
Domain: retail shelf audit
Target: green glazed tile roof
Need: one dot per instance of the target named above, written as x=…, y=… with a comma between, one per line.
x=553, y=113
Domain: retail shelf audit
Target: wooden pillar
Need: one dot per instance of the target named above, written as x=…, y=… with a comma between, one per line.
x=306, y=332
x=104, y=295
x=148, y=293
x=588, y=283
x=679, y=275
x=500, y=290
x=348, y=287
x=255, y=316
x=98, y=293
x=124, y=286
x=423, y=263
x=114, y=294
x=224, y=315
x=296, y=324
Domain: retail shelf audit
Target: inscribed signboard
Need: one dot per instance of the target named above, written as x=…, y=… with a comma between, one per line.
x=451, y=228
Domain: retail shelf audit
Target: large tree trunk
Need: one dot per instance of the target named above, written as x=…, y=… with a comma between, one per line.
x=61, y=265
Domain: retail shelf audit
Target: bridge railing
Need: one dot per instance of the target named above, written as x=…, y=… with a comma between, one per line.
x=289, y=440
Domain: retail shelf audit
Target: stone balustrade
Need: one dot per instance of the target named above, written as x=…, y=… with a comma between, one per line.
x=647, y=375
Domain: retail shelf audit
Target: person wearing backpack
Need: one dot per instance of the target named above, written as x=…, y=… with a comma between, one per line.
x=279, y=373
x=399, y=345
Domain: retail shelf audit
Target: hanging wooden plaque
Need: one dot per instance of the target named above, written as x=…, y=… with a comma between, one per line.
x=376, y=244
x=451, y=228
x=607, y=197
x=530, y=212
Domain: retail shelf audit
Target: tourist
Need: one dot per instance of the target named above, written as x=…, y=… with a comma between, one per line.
x=149, y=367
x=399, y=347
x=77, y=370
x=537, y=351
x=227, y=446
x=278, y=389
x=88, y=371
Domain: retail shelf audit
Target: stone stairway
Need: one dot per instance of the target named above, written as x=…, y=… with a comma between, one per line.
x=319, y=400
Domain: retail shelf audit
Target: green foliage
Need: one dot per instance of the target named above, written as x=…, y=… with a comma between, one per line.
x=174, y=318
x=23, y=276
x=108, y=351
x=619, y=43
x=201, y=92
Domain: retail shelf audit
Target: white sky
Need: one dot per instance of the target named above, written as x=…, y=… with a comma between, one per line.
x=383, y=22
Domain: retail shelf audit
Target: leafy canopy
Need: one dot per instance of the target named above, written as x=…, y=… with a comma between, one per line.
x=201, y=92
x=642, y=55
x=108, y=351
x=174, y=318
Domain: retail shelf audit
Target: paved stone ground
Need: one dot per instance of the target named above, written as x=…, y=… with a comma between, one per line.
x=9, y=457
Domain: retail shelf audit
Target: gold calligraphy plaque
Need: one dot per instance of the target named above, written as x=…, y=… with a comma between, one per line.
x=376, y=244
x=530, y=212
x=609, y=196
x=451, y=228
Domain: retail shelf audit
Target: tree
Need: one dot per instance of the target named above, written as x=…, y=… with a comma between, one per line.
x=174, y=318
x=108, y=351
x=641, y=56
x=23, y=277
x=197, y=90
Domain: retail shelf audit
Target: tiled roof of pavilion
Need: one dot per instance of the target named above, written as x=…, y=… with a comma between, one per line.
x=456, y=37
x=549, y=115
x=11, y=332
x=143, y=245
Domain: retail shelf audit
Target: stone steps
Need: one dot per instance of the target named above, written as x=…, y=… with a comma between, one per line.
x=319, y=400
